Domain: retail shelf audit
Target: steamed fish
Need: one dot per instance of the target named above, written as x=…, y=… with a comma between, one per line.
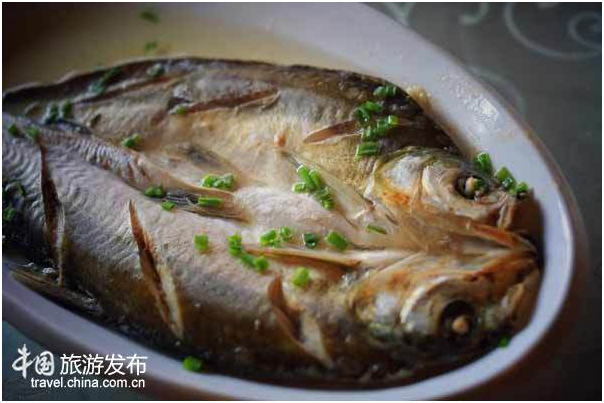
x=287, y=221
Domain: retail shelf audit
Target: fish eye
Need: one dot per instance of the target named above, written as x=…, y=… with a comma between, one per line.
x=457, y=320
x=471, y=186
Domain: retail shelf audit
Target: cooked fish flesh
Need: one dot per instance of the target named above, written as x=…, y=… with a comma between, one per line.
x=255, y=216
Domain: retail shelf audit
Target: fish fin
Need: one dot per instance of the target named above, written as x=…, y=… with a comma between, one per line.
x=55, y=229
x=350, y=259
x=157, y=276
x=339, y=129
x=300, y=327
x=263, y=98
x=63, y=295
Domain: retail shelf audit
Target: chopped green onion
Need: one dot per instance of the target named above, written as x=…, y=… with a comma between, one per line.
x=482, y=162
x=502, y=174
x=260, y=264
x=167, y=205
x=51, y=115
x=508, y=183
x=392, y=120
x=385, y=91
x=32, y=132
x=149, y=15
x=362, y=115
x=155, y=191
x=520, y=189
x=156, y=70
x=376, y=228
x=327, y=203
x=299, y=187
x=66, y=111
x=247, y=259
x=367, y=149
x=369, y=133
x=8, y=214
x=13, y=129
x=372, y=107
x=180, y=110
x=99, y=86
x=301, y=277
x=202, y=243
x=269, y=238
x=131, y=141
x=325, y=198
x=316, y=179
x=303, y=173
x=225, y=182
x=336, y=240
x=235, y=248
x=504, y=342
x=285, y=233
x=310, y=240
x=209, y=201
x=150, y=46
x=192, y=364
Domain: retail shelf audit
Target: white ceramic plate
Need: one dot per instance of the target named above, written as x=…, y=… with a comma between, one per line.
x=352, y=35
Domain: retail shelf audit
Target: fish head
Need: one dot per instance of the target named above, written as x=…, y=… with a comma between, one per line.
x=436, y=303
x=440, y=186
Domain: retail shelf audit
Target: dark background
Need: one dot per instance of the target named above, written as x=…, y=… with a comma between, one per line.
x=546, y=60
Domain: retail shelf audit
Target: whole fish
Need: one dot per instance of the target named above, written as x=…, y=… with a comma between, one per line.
x=286, y=222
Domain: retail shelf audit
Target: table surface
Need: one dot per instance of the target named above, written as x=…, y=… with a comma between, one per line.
x=546, y=60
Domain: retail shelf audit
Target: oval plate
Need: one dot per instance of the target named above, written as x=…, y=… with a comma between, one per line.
x=478, y=119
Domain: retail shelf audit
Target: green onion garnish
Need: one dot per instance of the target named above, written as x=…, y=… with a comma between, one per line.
x=32, y=132
x=149, y=15
x=482, y=162
x=285, y=233
x=336, y=240
x=260, y=264
x=504, y=342
x=303, y=173
x=167, y=205
x=131, y=141
x=192, y=364
x=269, y=239
x=150, y=46
x=180, y=110
x=99, y=86
x=301, y=277
x=299, y=187
x=13, y=129
x=209, y=201
x=235, y=248
x=8, y=214
x=202, y=243
x=156, y=70
x=520, y=189
x=316, y=179
x=385, y=91
x=310, y=240
x=51, y=115
x=392, y=120
x=502, y=174
x=368, y=148
x=324, y=197
x=66, y=111
x=247, y=259
x=362, y=115
x=372, y=107
x=376, y=228
x=225, y=182
x=155, y=191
